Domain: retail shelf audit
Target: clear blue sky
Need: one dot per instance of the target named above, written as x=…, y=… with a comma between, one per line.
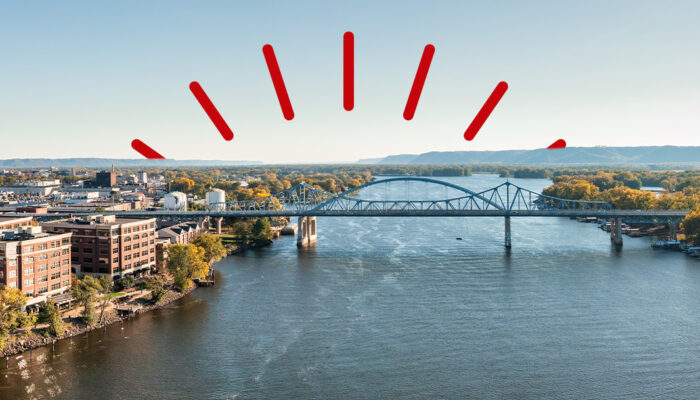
x=82, y=79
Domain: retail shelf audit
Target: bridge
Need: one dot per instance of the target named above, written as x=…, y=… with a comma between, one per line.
x=505, y=200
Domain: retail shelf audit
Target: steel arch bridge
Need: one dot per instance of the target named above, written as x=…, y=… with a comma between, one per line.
x=504, y=199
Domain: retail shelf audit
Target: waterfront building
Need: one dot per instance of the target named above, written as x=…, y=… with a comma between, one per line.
x=106, y=245
x=36, y=262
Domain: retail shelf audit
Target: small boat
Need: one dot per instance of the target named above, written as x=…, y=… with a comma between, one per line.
x=459, y=238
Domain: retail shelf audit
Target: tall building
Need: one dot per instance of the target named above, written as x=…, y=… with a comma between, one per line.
x=106, y=179
x=105, y=245
x=36, y=262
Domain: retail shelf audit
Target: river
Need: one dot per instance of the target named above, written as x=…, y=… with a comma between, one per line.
x=398, y=308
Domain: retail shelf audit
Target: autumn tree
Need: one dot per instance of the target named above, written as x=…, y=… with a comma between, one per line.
x=214, y=249
x=691, y=227
x=186, y=262
x=11, y=315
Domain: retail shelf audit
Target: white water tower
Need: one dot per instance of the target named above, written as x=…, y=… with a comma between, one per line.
x=216, y=200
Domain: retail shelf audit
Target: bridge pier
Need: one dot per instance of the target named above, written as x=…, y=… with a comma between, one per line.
x=507, y=238
x=672, y=231
x=307, y=231
x=218, y=225
x=616, y=231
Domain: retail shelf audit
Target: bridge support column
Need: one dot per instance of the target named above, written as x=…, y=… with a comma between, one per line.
x=616, y=231
x=672, y=231
x=507, y=242
x=218, y=225
x=307, y=231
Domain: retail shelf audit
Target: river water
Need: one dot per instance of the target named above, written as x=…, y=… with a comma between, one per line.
x=398, y=308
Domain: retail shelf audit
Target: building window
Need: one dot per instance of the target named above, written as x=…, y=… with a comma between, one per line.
x=87, y=250
x=115, y=260
x=55, y=275
x=29, y=270
x=12, y=274
x=29, y=260
x=42, y=267
x=56, y=254
x=55, y=286
x=43, y=278
x=55, y=265
x=115, y=240
x=29, y=282
x=12, y=263
x=115, y=250
x=65, y=283
x=12, y=284
x=65, y=251
x=127, y=248
x=87, y=259
x=43, y=257
x=42, y=246
x=65, y=262
x=74, y=259
x=65, y=272
x=43, y=289
x=28, y=249
x=65, y=241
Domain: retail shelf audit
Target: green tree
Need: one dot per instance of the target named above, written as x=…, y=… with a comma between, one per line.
x=214, y=249
x=157, y=287
x=49, y=313
x=11, y=315
x=242, y=231
x=85, y=293
x=260, y=231
x=126, y=282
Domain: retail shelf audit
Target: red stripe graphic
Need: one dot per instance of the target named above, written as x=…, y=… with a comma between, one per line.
x=146, y=150
x=418, y=82
x=278, y=82
x=211, y=111
x=485, y=111
x=559, y=144
x=348, y=71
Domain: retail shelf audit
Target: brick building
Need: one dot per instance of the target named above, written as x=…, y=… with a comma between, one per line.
x=36, y=262
x=10, y=223
x=105, y=245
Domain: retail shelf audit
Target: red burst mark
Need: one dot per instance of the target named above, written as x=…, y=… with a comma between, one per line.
x=278, y=82
x=146, y=150
x=559, y=144
x=211, y=111
x=348, y=71
x=418, y=82
x=485, y=111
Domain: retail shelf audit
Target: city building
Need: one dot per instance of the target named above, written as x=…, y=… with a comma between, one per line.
x=11, y=223
x=106, y=179
x=182, y=233
x=36, y=262
x=105, y=245
x=175, y=201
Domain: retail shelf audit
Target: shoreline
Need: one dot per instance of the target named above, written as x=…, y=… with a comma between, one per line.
x=22, y=344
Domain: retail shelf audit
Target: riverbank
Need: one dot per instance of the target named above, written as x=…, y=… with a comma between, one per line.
x=20, y=344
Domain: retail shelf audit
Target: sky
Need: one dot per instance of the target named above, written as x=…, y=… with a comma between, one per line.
x=83, y=79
